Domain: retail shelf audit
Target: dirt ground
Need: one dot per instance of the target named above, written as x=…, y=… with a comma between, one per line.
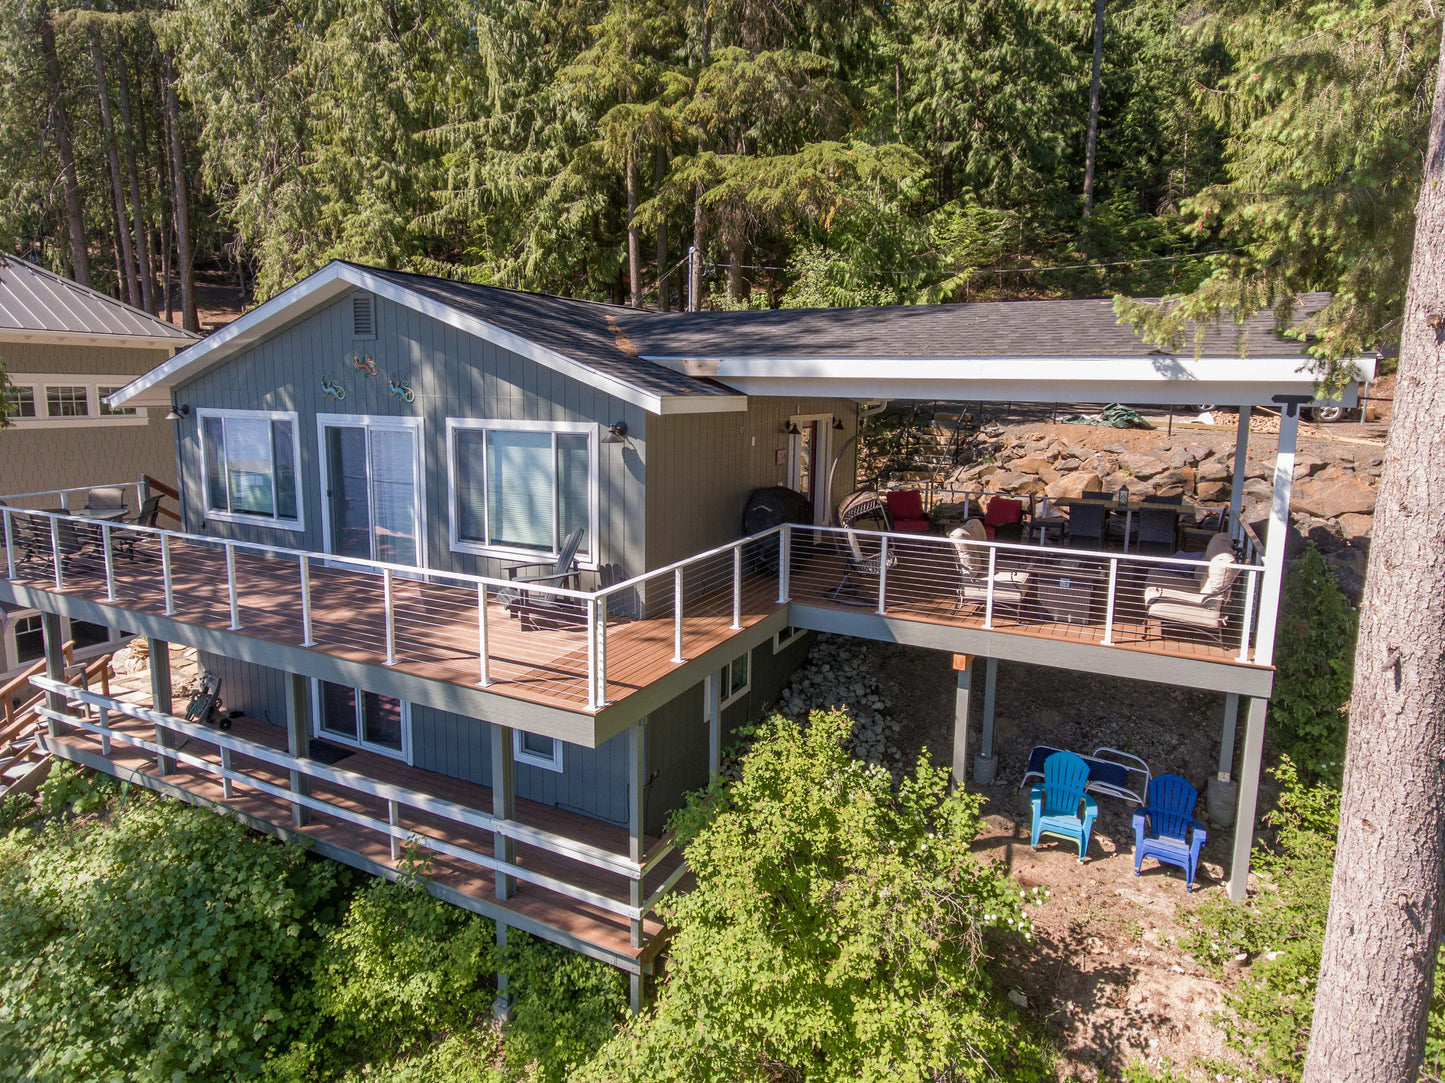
x=1105, y=973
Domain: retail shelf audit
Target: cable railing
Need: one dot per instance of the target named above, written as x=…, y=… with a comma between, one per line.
x=361, y=802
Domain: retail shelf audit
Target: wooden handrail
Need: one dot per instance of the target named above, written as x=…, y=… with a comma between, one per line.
x=20, y=680
x=161, y=487
x=17, y=718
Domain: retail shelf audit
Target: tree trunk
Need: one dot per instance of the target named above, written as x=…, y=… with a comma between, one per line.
x=130, y=278
x=74, y=214
x=694, y=267
x=664, y=289
x=185, y=258
x=1091, y=141
x=634, y=239
x=142, y=229
x=1382, y=940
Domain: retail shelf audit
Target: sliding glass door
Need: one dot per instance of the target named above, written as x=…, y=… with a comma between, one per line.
x=373, y=489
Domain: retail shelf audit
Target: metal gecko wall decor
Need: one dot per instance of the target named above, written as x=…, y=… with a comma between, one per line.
x=332, y=389
x=402, y=390
x=364, y=364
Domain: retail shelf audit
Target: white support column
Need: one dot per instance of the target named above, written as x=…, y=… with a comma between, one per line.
x=985, y=764
x=504, y=804
x=298, y=742
x=712, y=713
x=1274, y=544
x=1240, y=470
x=963, y=671
x=1248, y=798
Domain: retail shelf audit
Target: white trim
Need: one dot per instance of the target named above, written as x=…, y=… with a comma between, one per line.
x=588, y=557
x=38, y=382
x=295, y=525
x=822, y=456
x=368, y=422
x=406, y=754
x=87, y=338
x=535, y=759
x=780, y=644
x=726, y=677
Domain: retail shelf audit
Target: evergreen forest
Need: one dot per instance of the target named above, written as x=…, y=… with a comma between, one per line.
x=814, y=153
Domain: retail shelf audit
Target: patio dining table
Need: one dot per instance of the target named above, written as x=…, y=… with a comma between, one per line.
x=1110, y=502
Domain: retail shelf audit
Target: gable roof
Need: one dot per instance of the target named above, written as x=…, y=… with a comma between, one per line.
x=1071, y=350
x=38, y=306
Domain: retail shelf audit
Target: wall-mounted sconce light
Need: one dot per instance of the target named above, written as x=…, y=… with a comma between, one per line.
x=837, y=424
x=792, y=429
x=176, y=413
x=616, y=433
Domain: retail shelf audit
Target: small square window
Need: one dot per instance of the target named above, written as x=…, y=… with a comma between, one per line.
x=537, y=750
x=67, y=401
x=737, y=679
x=787, y=637
x=22, y=401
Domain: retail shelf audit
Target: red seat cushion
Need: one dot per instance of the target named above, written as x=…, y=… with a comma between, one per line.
x=905, y=504
x=912, y=526
x=1002, y=511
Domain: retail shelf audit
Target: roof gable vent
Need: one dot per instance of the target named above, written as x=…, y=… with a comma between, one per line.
x=363, y=316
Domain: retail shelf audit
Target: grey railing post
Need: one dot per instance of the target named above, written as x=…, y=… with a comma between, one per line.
x=9, y=541
x=737, y=586
x=602, y=651
x=1109, y=607
x=166, y=581
x=1246, y=621
x=108, y=558
x=677, y=616
x=55, y=551
x=988, y=595
x=593, y=699
x=388, y=599
x=226, y=791
x=392, y=816
x=883, y=575
x=484, y=675
x=785, y=562
x=231, y=587
x=308, y=639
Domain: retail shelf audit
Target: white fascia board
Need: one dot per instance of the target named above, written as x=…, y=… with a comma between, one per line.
x=76, y=338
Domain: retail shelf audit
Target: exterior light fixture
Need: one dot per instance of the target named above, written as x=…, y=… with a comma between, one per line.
x=792, y=429
x=616, y=433
x=837, y=424
x=176, y=413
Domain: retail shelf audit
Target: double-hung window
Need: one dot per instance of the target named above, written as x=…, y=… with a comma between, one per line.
x=250, y=462
x=519, y=488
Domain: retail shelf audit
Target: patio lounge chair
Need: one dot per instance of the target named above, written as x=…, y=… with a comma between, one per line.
x=1194, y=599
x=1166, y=830
x=537, y=608
x=1056, y=801
x=1003, y=519
x=1010, y=578
x=905, y=508
x=861, y=564
x=1109, y=771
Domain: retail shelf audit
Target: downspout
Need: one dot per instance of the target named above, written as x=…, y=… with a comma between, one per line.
x=867, y=411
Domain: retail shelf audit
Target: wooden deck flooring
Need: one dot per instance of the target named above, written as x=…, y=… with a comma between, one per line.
x=608, y=932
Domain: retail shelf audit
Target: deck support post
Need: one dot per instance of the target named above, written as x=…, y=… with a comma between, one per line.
x=1239, y=473
x=985, y=764
x=1278, y=537
x=712, y=713
x=634, y=992
x=1226, y=735
x=501, y=1006
x=636, y=754
x=963, y=670
x=504, y=804
x=298, y=742
x=54, y=665
x=161, y=696
x=1248, y=797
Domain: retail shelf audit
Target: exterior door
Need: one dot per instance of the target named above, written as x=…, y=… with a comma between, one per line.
x=808, y=461
x=373, y=499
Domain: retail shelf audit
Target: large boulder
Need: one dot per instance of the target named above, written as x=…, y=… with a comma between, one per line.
x=1141, y=465
x=1074, y=485
x=1356, y=528
x=1011, y=481
x=1041, y=465
x=1330, y=498
x=1259, y=489
x=1212, y=492
x=1307, y=466
x=1213, y=470
x=1174, y=482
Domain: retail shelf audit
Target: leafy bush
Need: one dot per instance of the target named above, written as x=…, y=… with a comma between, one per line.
x=171, y=942
x=837, y=931
x=70, y=789
x=564, y=1007
x=1314, y=659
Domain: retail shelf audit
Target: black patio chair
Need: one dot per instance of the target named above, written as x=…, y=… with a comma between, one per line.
x=542, y=609
x=1088, y=520
x=125, y=541
x=1159, y=528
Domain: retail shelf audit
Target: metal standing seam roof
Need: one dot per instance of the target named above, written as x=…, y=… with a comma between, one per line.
x=37, y=305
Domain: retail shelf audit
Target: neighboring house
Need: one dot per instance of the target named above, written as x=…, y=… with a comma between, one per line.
x=65, y=348
x=364, y=456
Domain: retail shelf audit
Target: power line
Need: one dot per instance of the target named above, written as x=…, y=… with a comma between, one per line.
x=998, y=270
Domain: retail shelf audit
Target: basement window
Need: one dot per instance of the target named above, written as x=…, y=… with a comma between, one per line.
x=737, y=679
x=536, y=750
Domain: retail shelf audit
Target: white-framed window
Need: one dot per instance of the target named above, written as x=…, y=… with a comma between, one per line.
x=518, y=488
x=249, y=460
x=786, y=637
x=352, y=716
x=54, y=400
x=539, y=751
x=737, y=678
x=29, y=639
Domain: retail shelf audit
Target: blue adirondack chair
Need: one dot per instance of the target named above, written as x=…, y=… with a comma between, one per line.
x=1165, y=828
x=1056, y=802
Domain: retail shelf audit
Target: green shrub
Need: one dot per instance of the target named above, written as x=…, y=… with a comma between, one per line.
x=837, y=931
x=170, y=943
x=1314, y=660
x=564, y=1007
x=71, y=789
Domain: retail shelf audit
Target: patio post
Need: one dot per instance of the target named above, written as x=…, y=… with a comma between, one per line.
x=502, y=1004
x=712, y=714
x=298, y=743
x=1274, y=544
x=1239, y=471
x=504, y=804
x=636, y=842
x=963, y=670
x=985, y=764
x=54, y=642
x=1248, y=797
x=1222, y=793
x=161, y=698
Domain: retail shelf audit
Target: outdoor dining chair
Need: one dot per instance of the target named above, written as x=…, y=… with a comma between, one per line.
x=1056, y=802
x=1165, y=828
x=1087, y=522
